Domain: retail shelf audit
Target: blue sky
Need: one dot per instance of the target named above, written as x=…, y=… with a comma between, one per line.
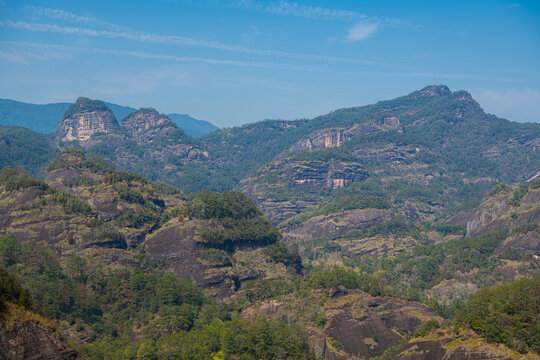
x=234, y=62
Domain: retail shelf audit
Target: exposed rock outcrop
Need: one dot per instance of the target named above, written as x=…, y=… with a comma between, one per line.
x=175, y=247
x=24, y=336
x=357, y=324
x=140, y=122
x=336, y=225
x=335, y=136
x=445, y=344
x=303, y=176
x=85, y=118
x=502, y=210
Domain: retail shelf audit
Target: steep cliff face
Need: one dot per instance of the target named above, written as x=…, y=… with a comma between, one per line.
x=294, y=178
x=515, y=207
x=85, y=118
x=143, y=120
x=88, y=209
x=335, y=226
x=327, y=138
x=150, y=144
x=85, y=208
x=175, y=246
x=25, y=335
x=506, y=208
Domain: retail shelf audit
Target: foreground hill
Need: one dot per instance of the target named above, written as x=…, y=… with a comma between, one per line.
x=86, y=208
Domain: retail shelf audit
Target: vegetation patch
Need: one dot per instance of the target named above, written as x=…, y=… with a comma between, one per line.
x=229, y=218
x=85, y=104
x=76, y=159
x=215, y=257
x=507, y=314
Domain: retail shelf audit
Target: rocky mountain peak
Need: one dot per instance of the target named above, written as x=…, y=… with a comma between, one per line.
x=84, y=118
x=143, y=119
x=434, y=90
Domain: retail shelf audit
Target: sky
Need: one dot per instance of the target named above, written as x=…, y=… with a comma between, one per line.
x=236, y=62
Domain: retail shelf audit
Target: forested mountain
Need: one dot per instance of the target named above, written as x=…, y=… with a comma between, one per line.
x=397, y=230
x=192, y=127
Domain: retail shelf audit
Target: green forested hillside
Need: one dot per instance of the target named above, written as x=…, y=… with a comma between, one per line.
x=26, y=149
x=398, y=231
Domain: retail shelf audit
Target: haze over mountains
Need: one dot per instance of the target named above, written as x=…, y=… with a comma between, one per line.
x=377, y=231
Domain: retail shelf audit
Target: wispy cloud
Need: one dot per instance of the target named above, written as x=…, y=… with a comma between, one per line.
x=114, y=31
x=313, y=12
x=61, y=14
x=365, y=26
x=129, y=34
x=24, y=51
x=14, y=52
x=361, y=31
x=13, y=57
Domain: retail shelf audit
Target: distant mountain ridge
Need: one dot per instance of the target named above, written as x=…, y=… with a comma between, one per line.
x=45, y=118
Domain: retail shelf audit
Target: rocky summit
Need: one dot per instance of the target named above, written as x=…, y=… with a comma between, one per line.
x=85, y=118
x=139, y=122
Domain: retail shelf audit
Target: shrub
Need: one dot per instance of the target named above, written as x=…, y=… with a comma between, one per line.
x=120, y=176
x=501, y=188
x=69, y=202
x=106, y=233
x=519, y=193
x=13, y=179
x=215, y=256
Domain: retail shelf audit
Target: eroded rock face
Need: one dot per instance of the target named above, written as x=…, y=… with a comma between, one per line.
x=333, y=137
x=142, y=120
x=387, y=154
x=336, y=225
x=29, y=340
x=85, y=118
x=464, y=345
x=365, y=326
x=498, y=211
x=307, y=176
x=175, y=247
x=358, y=325
x=524, y=242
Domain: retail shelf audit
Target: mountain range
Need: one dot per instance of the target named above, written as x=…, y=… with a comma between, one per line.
x=406, y=229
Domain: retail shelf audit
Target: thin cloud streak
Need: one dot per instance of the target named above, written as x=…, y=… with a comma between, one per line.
x=135, y=35
x=295, y=9
x=62, y=15
x=52, y=51
x=69, y=50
